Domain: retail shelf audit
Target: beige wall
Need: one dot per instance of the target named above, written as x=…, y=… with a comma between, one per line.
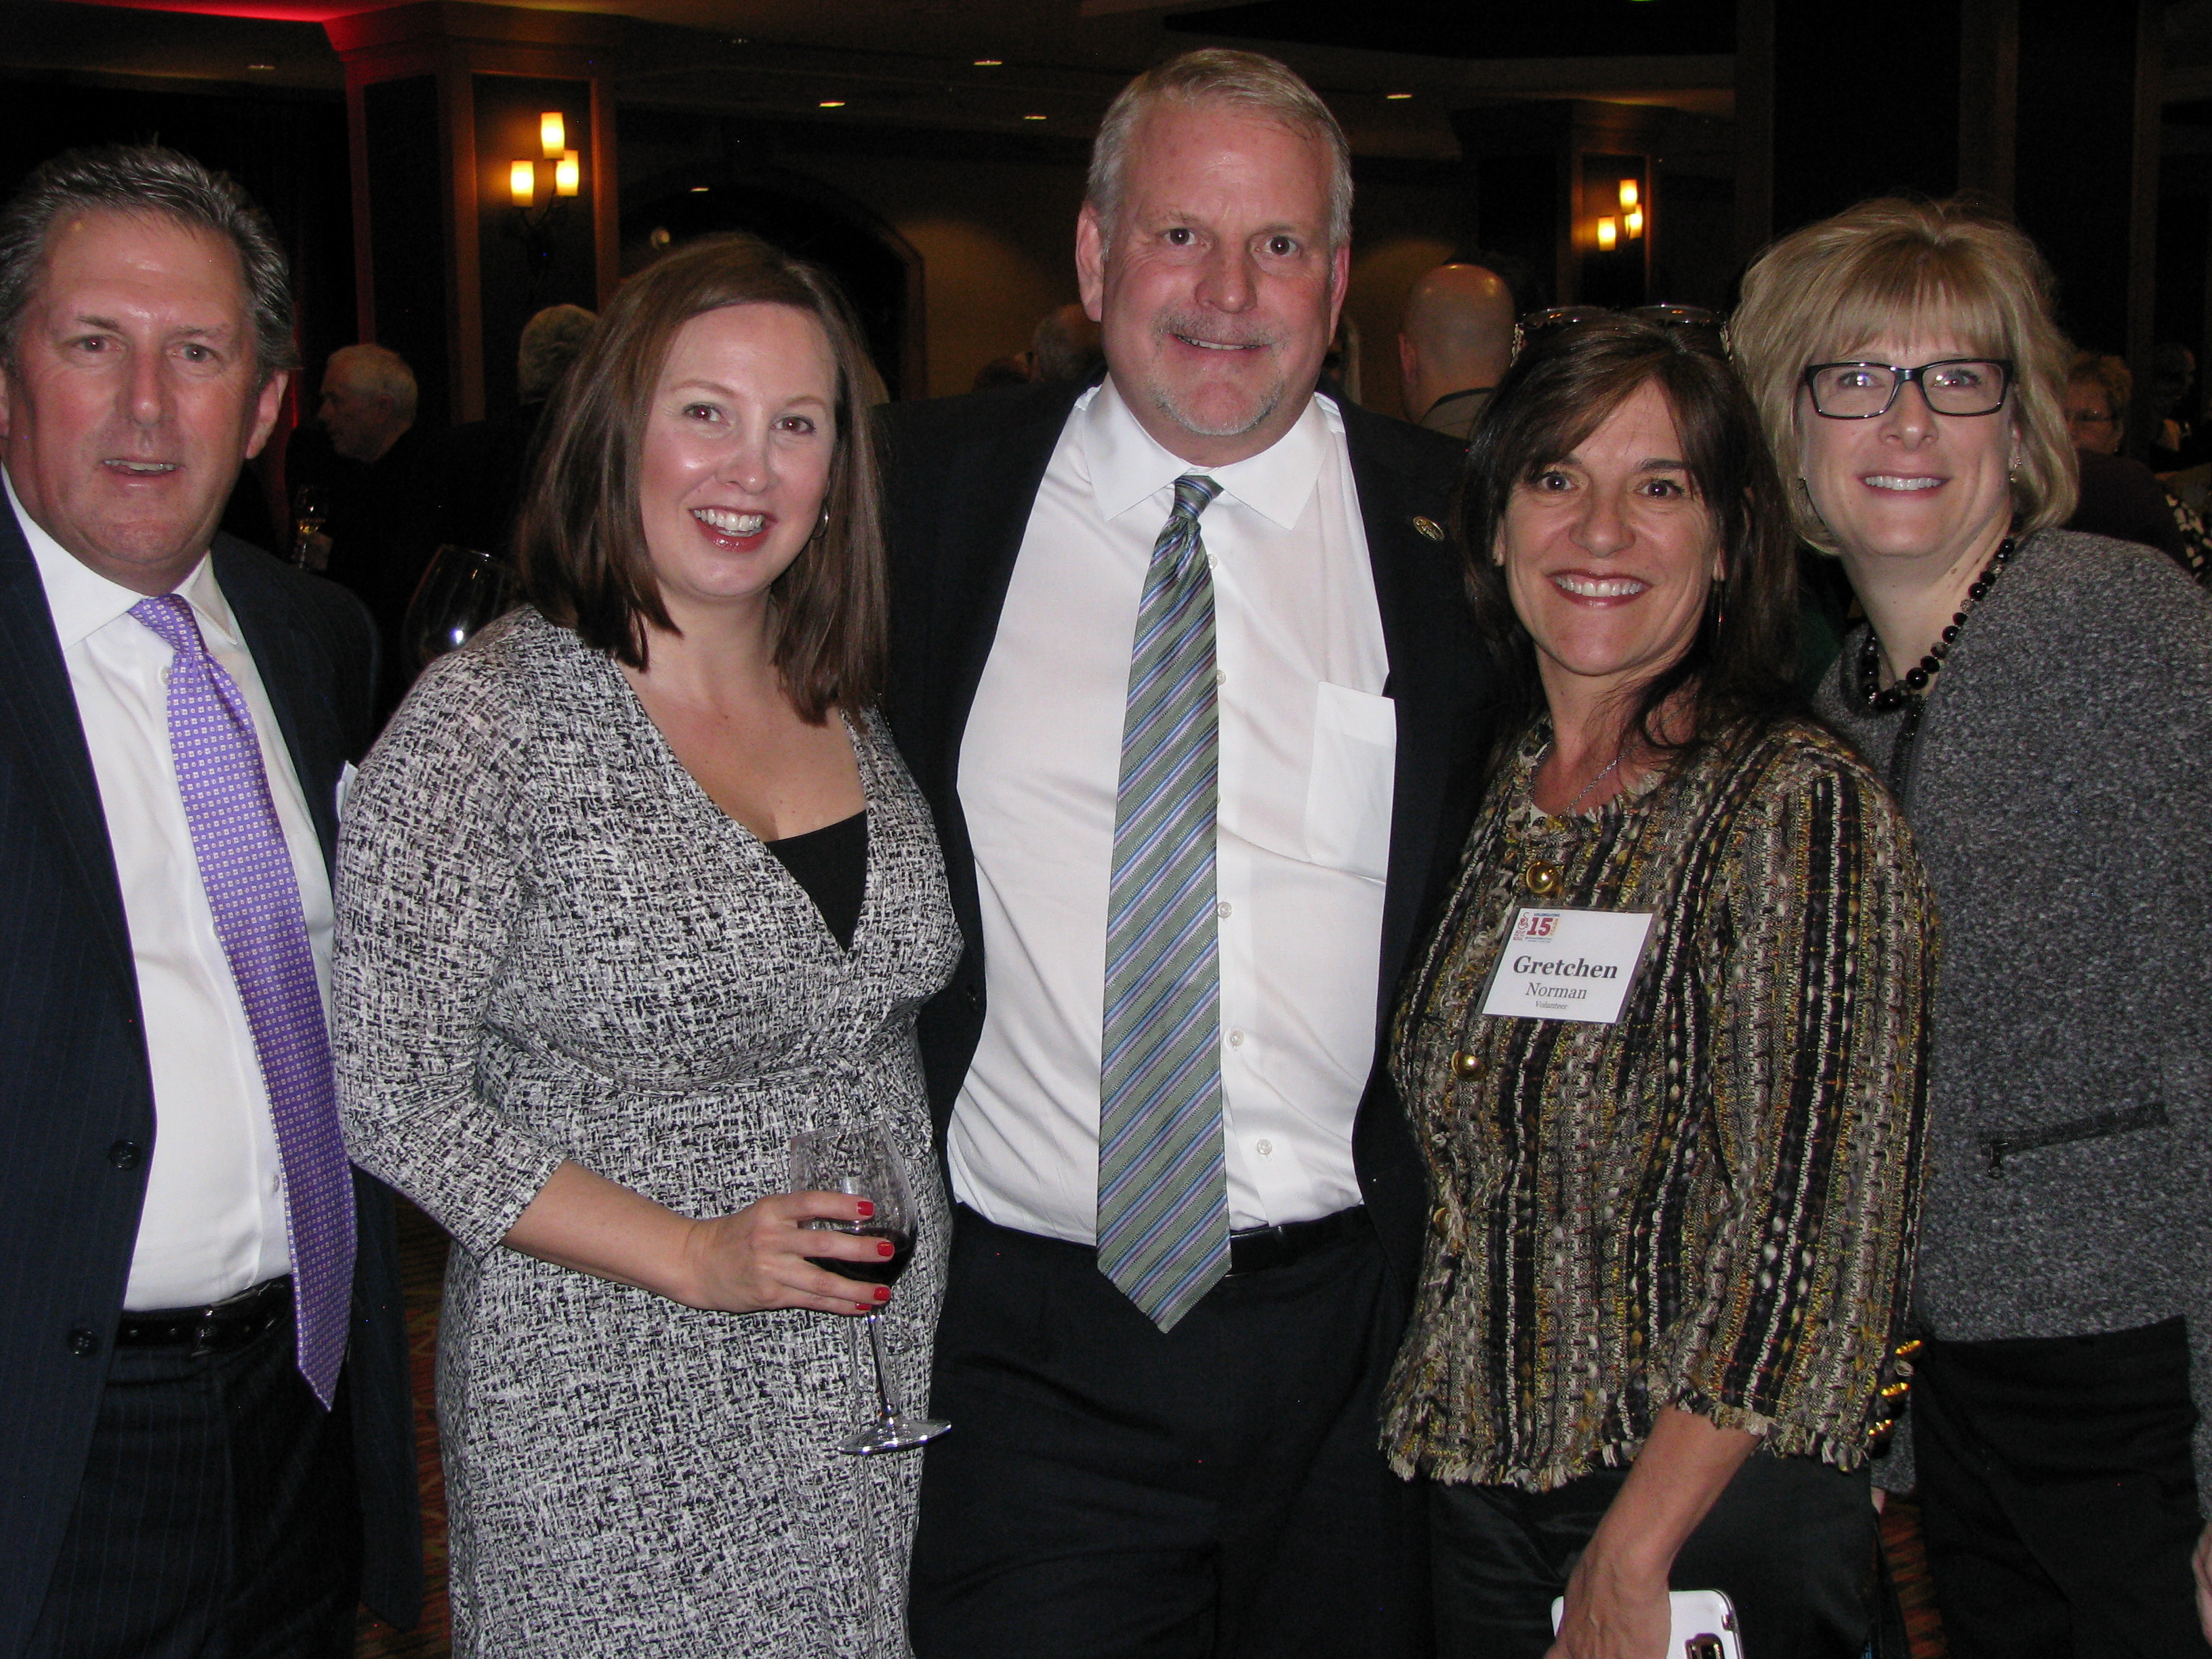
x=997, y=242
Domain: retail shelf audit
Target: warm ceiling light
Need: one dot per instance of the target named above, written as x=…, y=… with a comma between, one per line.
x=990, y=62
x=552, y=134
x=1397, y=97
x=1628, y=192
x=567, y=173
x=1033, y=118
x=1633, y=220
x=833, y=103
x=261, y=66
x=700, y=190
x=522, y=182
x=1608, y=234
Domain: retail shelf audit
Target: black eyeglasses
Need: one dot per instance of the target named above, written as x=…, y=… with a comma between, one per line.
x=1708, y=329
x=1953, y=385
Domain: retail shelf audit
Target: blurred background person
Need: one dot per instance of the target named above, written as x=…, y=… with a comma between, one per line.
x=2041, y=704
x=381, y=480
x=1454, y=345
x=2121, y=497
x=635, y=889
x=481, y=465
x=1066, y=349
x=1610, y=1384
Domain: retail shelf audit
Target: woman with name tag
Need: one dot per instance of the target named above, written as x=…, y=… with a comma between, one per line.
x=634, y=892
x=1663, y=1052
x=2041, y=704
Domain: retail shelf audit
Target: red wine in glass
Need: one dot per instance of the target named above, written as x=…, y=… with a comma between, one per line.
x=864, y=1162
x=884, y=1272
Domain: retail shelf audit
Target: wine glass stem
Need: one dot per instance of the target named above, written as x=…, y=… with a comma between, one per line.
x=876, y=1346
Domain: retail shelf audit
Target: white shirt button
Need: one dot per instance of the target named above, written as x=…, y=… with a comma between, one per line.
x=1237, y=1039
x=1221, y=676
x=1265, y=1148
x=1222, y=909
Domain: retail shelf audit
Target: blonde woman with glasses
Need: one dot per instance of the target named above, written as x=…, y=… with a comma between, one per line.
x=2041, y=705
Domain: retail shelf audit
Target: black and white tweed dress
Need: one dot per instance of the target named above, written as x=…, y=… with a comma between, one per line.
x=552, y=944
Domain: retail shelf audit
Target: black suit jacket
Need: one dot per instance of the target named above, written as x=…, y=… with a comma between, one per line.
x=77, y=1099
x=963, y=473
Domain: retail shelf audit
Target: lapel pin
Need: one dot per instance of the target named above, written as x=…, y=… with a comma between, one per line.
x=1430, y=528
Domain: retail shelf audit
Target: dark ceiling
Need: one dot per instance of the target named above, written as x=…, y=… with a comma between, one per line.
x=1499, y=28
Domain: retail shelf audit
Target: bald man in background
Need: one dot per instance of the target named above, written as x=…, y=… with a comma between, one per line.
x=1454, y=346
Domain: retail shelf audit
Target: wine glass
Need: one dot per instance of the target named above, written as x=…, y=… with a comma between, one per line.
x=311, y=510
x=461, y=589
x=862, y=1161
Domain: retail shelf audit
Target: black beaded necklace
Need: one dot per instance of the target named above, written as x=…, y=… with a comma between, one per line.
x=1908, y=690
x=1878, y=701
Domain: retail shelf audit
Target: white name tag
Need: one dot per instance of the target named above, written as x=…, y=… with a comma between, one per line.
x=1568, y=964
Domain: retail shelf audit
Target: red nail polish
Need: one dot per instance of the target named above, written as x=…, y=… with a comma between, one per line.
x=883, y=1292
x=885, y=1248
x=867, y=1209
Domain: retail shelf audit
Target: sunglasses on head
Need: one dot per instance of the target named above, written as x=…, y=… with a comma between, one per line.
x=1707, y=329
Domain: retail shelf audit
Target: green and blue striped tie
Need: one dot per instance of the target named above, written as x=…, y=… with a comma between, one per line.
x=1163, y=1187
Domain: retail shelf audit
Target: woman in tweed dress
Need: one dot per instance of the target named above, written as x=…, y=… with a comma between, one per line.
x=2042, y=704
x=633, y=890
x=1669, y=1251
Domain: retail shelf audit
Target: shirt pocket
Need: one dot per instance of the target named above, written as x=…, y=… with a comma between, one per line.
x=1355, y=764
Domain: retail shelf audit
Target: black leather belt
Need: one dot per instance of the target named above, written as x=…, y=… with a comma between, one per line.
x=1255, y=1250
x=230, y=1323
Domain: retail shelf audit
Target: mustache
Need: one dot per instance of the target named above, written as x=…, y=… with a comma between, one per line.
x=1214, y=330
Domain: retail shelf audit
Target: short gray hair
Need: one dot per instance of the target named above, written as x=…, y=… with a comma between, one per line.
x=1248, y=82
x=380, y=372
x=146, y=181
x=551, y=340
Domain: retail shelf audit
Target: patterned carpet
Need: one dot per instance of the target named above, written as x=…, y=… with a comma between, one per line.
x=422, y=1265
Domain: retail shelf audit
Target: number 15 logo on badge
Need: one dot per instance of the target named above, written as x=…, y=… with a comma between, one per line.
x=1535, y=924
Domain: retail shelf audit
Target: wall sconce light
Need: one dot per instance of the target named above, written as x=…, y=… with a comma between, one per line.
x=536, y=229
x=1632, y=221
x=1628, y=193
x=1608, y=233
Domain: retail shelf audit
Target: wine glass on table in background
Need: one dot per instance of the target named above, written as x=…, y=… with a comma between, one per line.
x=461, y=589
x=311, y=510
x=862, y=1162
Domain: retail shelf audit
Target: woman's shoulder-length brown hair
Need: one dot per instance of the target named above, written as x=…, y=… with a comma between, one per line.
x=1740, y=669
x=581, y=538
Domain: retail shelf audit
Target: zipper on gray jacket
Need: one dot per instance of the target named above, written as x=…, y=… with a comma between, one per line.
x=2152, y=1117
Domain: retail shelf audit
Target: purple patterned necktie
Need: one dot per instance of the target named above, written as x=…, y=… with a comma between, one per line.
x=247, y=868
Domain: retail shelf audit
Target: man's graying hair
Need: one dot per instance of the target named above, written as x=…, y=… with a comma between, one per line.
x=146, y=181
x=1249, y=84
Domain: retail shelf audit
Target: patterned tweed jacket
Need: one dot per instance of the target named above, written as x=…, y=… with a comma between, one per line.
x=1708, y=1204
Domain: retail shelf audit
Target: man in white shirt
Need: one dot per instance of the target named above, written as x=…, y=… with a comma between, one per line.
x=203, y=1389
x=1183, y=662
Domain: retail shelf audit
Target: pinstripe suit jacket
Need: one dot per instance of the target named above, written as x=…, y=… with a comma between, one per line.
x=74, y=1081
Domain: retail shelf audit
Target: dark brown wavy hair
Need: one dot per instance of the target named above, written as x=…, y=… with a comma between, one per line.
x=581, y=538
x=1742, y=667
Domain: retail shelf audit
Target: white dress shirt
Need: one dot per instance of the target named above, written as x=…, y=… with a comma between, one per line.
x=1308, y=753
x=214, y=1222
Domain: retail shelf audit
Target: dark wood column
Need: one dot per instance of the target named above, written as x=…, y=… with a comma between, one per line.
x=441, y=97
x=2048, y=109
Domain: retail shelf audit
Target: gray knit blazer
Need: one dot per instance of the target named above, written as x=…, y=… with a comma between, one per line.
x=2060, y=795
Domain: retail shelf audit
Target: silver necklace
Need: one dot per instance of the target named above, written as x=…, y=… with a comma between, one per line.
x=1603, y=772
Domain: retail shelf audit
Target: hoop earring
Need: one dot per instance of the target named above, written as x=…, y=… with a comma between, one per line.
x=1720, y=606
x=822, y=528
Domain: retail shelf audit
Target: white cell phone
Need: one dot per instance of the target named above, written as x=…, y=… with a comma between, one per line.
x=1704, y=1624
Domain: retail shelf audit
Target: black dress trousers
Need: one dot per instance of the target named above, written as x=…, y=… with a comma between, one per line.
x=217, y=1518
x=1213, y=1493
x=2058, y=1494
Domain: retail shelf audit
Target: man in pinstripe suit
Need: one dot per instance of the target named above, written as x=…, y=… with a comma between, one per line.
x=183, y=1476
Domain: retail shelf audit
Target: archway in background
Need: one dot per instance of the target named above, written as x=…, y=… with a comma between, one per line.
x=879, y=270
